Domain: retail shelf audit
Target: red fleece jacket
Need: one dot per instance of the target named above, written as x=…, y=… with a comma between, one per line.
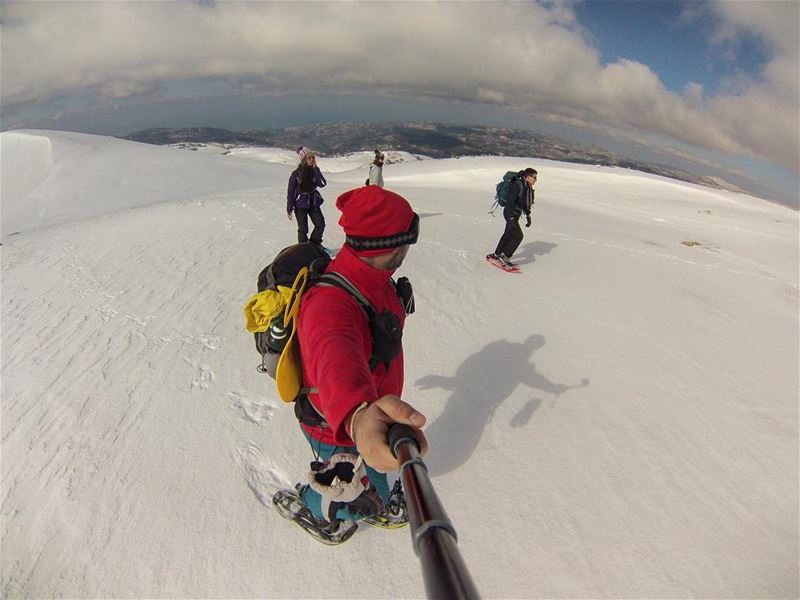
x=336, y=345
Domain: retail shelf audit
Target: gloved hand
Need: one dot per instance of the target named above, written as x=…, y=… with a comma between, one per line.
x=527, y=220
x=406, y=292
x=343, y=483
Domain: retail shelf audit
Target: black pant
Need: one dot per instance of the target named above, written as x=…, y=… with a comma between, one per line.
x=302, y=215
x=512, y=236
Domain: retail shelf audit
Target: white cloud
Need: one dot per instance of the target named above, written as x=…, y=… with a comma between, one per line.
x=527, y=56
x=775, y=22
x=125, y=89
x=764, y=115
x=490, y=96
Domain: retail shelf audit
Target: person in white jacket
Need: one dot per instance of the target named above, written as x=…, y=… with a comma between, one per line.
x=376, y=170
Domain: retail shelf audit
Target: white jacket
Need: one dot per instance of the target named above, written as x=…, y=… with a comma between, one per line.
x=376, y=174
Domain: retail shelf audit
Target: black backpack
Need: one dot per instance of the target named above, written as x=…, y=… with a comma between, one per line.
x=283, y=271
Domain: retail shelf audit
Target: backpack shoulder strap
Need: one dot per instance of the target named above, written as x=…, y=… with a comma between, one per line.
x=340, y=281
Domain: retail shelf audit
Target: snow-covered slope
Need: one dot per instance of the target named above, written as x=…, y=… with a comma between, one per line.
x=618, y=420
x=334, y=164
x=58, y=177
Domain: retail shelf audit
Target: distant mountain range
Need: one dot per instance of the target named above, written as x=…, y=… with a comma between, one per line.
x=430, y=139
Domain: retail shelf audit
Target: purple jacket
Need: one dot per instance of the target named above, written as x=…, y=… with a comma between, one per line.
x=309, y=199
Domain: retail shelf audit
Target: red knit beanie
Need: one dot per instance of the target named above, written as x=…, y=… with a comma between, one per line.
x=376, y=220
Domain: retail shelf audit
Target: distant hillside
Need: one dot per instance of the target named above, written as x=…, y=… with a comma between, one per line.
x=431, y=139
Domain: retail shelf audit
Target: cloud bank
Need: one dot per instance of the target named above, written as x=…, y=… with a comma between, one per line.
x=526, y=56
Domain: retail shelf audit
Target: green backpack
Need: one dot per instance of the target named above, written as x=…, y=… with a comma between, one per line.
x=504, y=187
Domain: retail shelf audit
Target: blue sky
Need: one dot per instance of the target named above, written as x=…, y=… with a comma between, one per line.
x=717, y=81
x=673, y=38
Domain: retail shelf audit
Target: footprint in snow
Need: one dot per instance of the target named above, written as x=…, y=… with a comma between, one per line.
x=140, y=321
x=204, y=375
x=254, y=410
x=209, y=342
x=261, y=477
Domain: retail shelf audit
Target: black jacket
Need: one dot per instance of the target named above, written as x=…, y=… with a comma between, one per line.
x=520, y=197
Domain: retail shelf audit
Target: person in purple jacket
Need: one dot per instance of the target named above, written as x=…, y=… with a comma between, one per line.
x=303, y=199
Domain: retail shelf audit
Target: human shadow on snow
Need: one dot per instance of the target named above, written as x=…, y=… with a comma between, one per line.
x=528, y=253
x=481, y=384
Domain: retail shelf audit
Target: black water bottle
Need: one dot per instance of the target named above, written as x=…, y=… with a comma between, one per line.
x=273, y=341
x=277, y=335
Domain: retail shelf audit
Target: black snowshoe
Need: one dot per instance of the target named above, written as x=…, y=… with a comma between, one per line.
x=394, y=514
x=290, y=506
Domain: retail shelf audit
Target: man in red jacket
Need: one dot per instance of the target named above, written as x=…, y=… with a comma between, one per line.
x=355, y=395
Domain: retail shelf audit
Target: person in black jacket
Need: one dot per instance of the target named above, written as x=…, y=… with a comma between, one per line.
x=520, y=200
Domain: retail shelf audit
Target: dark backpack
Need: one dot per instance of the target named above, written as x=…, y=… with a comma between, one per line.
x=283, y=271
x=287, y=263
x=504, y=187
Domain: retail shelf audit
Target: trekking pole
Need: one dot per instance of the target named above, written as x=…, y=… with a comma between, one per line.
x=434, y=537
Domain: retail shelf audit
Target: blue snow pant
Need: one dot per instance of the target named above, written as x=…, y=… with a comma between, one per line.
x=313, y=499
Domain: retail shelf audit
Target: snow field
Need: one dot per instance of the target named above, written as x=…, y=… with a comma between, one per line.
x=619, y=420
